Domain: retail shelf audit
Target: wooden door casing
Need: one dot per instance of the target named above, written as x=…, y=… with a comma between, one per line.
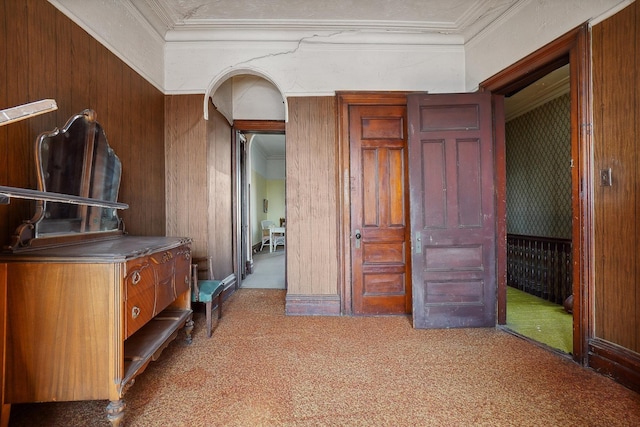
x=452, y=210
x=379, y=210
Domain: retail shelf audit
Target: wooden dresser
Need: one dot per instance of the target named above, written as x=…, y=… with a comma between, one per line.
x=88, y=307
x=85, y=319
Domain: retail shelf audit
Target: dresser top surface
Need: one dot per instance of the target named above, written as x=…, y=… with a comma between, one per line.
x=117, y=249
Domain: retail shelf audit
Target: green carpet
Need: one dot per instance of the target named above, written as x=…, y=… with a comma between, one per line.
x=540, y=320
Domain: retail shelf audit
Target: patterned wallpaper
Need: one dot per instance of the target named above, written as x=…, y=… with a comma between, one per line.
x=539, y=172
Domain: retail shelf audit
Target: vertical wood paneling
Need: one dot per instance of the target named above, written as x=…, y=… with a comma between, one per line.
x=219, y=180
x=46, y=55
x=62, y=65
x=5, y=410
x=79, y=62
x=311, y=197
x=158, y=165
x=4, y=152
x=295, y=135
x=329, y=181
x=170, y=152
x=186, y=164
x=636, y=49
x=198, y=179
x=42, y=36
x=113, y=113
x=138, y=154
x=124, y=151
x=17, y=82
x=615, y=57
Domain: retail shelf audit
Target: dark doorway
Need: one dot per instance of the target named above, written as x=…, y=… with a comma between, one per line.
x=539, y=210
x=573, y=49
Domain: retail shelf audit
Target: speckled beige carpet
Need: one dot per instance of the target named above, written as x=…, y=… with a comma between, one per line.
x=262, y=368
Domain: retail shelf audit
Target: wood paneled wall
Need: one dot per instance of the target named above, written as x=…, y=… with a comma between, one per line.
x=616, y=91
x=220, y=194
x=312, y=224
x=200, y=194
x=186, y=178
x=45, y=55
x=5, y=409
x=199, y=180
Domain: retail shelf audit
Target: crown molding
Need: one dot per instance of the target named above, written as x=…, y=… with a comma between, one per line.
x=503, y=17
x=311, y=32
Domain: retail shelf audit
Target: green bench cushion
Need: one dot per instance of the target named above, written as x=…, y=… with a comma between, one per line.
x=209, y=289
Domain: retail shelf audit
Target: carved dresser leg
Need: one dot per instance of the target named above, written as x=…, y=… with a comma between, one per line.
x=115, y=412
x=188, y=327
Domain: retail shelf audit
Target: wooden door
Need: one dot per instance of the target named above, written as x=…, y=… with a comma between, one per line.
x=452, y=210
x=379, y=203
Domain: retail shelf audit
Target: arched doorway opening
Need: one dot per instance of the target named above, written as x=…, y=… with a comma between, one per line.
x=255, y=108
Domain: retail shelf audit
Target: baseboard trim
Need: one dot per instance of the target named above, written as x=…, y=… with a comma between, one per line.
x=312, y=305
x=616, y=362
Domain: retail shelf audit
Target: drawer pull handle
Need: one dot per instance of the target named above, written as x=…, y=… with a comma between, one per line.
x=136, y=277
x=186, y=280
x=135, y=312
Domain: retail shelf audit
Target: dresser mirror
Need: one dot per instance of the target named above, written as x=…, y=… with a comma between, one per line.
x=76, y=161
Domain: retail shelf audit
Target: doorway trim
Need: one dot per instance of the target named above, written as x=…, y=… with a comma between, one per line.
x=346, y=99
x=571, y=48
x=246, y=126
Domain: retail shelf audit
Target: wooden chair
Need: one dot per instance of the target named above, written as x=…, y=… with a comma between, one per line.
x=207, y=289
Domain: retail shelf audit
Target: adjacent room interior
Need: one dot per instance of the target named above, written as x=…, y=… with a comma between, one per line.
x=267, y=210
x=539, y=211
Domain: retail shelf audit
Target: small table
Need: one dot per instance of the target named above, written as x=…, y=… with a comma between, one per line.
x=276, y=237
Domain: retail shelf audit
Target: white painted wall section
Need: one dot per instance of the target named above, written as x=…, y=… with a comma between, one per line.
x=254, y=98
x=317, y=69
x=304, y=62
x=526, y=27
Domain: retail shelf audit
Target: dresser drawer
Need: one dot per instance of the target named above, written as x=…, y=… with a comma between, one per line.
x=139, y=309
x=165, y=294
x=183, y=270
x=164, y=264
x=154, y=282
x=141, y=276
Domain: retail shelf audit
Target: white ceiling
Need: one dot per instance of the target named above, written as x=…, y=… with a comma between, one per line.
x=271, y=145
x=205, y=19
x=434, y=22
x=199, y=18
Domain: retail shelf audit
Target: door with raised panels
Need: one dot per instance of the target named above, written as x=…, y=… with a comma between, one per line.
x=381, y=281
x=452, y=210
